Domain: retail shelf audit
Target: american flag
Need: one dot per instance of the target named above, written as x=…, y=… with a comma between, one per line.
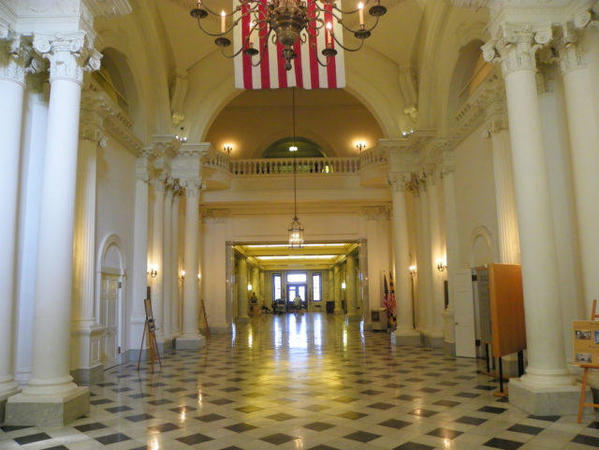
x=270, y=73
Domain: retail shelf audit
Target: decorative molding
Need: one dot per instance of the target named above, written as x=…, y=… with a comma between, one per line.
x=69, y=54
x=192, y=186
x=398, y=181
x=376, y=212
x=107, y=8
x=115, y=120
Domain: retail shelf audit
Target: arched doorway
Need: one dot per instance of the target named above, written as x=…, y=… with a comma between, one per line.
x=111, y=288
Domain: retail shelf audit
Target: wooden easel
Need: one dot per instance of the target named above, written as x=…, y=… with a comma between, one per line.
x=150, y=328
x=585, y=372
x=204, y=319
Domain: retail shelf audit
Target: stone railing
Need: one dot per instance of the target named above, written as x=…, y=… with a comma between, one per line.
x=373, y=156
x=280, y=166
x=216, y=160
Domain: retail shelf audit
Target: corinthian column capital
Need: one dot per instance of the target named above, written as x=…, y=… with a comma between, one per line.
x=17, y=58
x=69, y=54
x=515, y=46
x=398, y=181
x=192, y=186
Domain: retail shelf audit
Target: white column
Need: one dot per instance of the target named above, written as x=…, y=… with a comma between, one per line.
x=84, y=320
x=451, y=245
x=12, y=82
x=174, y=272
x=350, y=290
x=505, y=202
x=405, y=333
x=140, y=253
x=157, y=285
x=167, y=264
x=242, y=290
x=584, y=143
x=51, y=387
x=437, y=254
x=425, y=282
x=546, y=362
x=191, y=337
x=336, y=280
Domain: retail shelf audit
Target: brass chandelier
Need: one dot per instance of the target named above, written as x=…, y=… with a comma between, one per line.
x=287, y=21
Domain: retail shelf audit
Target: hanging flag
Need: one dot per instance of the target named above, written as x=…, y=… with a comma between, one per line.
x=251, y=72
x=385, y=291
x=391, y=298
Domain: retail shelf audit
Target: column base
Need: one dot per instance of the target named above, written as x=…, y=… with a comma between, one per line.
x=354, y=317
x=88, y=376
x=431, y=338
x=165, y=344
x=190, y=342
x=7, y=391
x=449, y=348
x=545, y=400
x=242, y=319
x=403, y=336
x=47, y=410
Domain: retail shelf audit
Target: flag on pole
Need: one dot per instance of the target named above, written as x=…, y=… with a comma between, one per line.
x=251, y=72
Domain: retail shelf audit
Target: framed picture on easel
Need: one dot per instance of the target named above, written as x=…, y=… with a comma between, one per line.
x=150, y=329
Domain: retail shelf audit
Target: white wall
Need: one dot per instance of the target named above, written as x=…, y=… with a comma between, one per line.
x=115, y=207
x=475, y=194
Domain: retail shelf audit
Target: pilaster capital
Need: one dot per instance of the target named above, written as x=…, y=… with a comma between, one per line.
x=398, y=181
x=215, y=215
x=516, y=44
x=375, y=212
x=448, y=163
x=495, y=124
x=142, y=172
x=17, y=58
x=69, y=54
x=158, y=183
x=192, y=187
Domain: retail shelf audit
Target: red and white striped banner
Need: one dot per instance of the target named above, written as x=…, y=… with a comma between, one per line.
x=305, y=73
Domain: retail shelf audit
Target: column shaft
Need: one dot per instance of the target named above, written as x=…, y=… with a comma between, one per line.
x=507, y=219
x=584, y=143
x=242, y=289
x=546, y=362
x=402, y=261
x=191, y=265
x=157, y=236
x=350, y=290
x=167, y=264
x=12, y=78
x=174, y=272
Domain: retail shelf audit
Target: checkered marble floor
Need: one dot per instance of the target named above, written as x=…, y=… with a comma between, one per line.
x=306, y=381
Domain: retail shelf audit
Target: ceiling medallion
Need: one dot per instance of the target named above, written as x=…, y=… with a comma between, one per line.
x=285, y=22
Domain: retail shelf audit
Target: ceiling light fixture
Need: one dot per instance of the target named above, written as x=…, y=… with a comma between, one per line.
x=360, y=146
x=296, y=229
x=284, y=22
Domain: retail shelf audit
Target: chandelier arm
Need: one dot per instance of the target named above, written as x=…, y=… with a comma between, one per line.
x=360, y=29
x=233, y=55
x=347, y=49
x=320, y=62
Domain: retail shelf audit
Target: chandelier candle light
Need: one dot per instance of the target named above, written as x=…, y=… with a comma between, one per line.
x=287, y=22
x=296, y=229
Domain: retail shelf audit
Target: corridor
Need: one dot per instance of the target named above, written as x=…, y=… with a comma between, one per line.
x=304, y=381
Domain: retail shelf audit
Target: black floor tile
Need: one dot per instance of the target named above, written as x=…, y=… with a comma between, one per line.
x=318, y=426
x=352, y=415
x=362, y=436
x=586, y=440
x=90, y=427
x=445, y=433
x=394, y=423
x=423, y=412
x=241, y=427
x=163, y=428
x=32, y=438
x=278, y=438
x=413, y=446
x=527, y=429
x=112, y=438
x=194, y=439
x=470, y=420
x=210, y=417
x=504, y=444
x=492, y=409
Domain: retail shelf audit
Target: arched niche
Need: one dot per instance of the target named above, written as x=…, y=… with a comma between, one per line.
x=116, y=77
x=332, y=119
x=469, y=72
x=481, y=248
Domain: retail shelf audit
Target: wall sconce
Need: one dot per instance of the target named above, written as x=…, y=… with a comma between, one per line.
x=199, y=276
x=249, y=287
x=412, y=270
x=228, y=149
x=343, y=285
x=153, y=270
x=441, y=265
x=360, y=146
x=182, y=275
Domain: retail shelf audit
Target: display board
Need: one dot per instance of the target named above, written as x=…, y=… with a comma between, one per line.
x=586, y=341
x=507, y=309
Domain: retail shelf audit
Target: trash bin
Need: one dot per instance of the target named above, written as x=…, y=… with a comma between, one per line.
x=378, y=319
x=330, y=307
